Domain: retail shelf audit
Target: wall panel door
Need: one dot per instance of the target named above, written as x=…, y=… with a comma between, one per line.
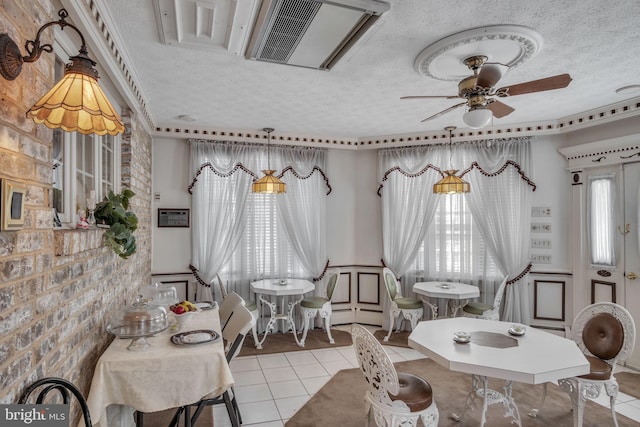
x=631, y=232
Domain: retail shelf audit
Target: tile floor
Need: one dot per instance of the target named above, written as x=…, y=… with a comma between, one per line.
x=271, y=388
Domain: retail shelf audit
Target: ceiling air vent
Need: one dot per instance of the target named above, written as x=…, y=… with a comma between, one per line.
x=310, y=33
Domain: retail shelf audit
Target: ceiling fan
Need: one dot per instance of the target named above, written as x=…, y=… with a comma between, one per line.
x=477, y=91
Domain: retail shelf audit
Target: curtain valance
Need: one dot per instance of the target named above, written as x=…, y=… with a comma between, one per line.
x=489, y=157
x=224, y=158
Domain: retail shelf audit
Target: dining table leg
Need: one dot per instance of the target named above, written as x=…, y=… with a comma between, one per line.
x=275, y=316
x=480, y=388
x=433, y=307
x=292, y=320
x=271, y=324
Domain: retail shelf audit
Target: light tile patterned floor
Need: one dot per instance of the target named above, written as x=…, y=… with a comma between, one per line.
x=271, y=388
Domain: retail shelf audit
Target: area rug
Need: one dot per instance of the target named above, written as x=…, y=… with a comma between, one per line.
x=340, y=402
x=629, y=383
x=397, y=339
x=282, y=343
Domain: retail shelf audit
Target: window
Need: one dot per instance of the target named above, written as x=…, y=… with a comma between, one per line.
x=602, y=218
x=267, y=248
x=453, y=248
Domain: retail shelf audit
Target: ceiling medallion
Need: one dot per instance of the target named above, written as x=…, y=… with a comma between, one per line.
x=511, y=45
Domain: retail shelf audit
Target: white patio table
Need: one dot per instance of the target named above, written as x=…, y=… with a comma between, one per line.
x=456, y=293
x=533, y=358
x=280, y=288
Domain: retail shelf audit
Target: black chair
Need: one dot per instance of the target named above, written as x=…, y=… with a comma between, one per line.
x=63, y=387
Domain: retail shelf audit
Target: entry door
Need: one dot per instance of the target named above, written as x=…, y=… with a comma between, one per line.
x=631, y=231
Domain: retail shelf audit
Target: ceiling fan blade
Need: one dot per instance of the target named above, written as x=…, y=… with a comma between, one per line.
x=430, y=96
x=490, y=74
x=499, y=109
x=549, y=83
x=444, y=111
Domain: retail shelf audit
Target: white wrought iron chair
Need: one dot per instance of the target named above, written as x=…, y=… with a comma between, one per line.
x=392, y=398
x=486, y=311
x=605, y=332
x=410, y=309
x=251, y=306
x=314, y=305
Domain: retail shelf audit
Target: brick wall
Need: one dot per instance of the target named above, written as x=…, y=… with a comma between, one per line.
x=57, y=287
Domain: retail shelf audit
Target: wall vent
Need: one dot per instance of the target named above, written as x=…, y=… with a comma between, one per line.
x=310, y=33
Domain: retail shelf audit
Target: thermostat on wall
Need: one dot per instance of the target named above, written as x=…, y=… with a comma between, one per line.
x=173, y=217
x=12, y=205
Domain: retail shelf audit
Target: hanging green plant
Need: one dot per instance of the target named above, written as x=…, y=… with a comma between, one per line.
x=113, y=211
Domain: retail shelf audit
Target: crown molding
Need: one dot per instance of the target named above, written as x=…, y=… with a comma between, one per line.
x=108, y=47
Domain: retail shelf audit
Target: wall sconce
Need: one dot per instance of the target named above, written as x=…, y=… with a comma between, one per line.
x=76, y=103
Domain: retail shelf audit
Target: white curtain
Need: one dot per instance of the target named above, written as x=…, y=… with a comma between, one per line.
x=407, y=176
x=500, y=191
x=220, y=185
x=408, y=202
x=304, y=211
x=245, y=236
x=601, y=217
x=500, y=200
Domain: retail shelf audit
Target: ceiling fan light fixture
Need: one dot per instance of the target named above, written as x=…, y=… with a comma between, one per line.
x=478, y=117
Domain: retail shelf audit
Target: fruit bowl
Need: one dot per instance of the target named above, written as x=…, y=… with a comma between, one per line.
x=182, y=312
x=182, y=320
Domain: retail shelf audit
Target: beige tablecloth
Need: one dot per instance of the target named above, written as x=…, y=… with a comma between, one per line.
x=162, y=377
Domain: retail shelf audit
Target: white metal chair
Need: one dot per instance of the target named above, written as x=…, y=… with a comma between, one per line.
x=392, y=398
x=251, y=306
x=486, y=311
x=240, y=323
x=314, y=305
x=410, y=309
x=605, y=332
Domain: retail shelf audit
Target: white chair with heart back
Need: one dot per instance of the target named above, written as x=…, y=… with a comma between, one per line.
x=312, y=306
x=410, y=309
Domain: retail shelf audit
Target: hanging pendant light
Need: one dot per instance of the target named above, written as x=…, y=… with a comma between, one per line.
x=268, y=184
x=451, y=184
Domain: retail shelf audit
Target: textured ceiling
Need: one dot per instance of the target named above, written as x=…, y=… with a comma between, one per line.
x=597, y=43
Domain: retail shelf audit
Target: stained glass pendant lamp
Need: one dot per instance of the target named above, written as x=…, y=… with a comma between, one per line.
x=268, y=184
x=451, y=184
x=76, y=103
